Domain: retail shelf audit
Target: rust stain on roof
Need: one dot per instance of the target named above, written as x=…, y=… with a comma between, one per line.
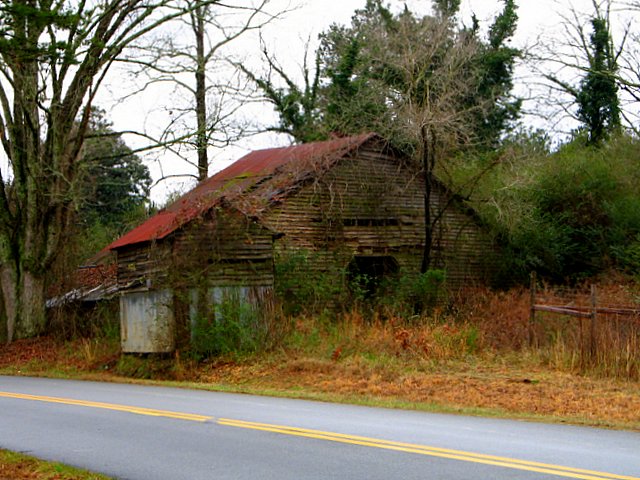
x=284, y=166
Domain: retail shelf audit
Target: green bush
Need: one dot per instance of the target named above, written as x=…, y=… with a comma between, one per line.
x=230, y=327
x=628, y=256
x=568, y=214
x=412, y=295
x=304, y=289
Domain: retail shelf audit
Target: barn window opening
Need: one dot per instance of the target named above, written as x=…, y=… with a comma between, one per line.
x=371, y=222
x=367, y=273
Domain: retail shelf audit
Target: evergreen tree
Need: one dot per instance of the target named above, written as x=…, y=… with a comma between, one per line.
x=355, y=82
x=597, y=98
x=116, y=183
x=354, y=92
x=497, y=60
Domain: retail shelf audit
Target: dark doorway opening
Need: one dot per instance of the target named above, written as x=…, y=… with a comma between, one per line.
x=366, y=273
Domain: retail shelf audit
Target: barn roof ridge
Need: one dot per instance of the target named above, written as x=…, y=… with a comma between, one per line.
x=255, y=168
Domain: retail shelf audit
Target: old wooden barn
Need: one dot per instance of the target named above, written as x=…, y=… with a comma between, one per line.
x=350, y=203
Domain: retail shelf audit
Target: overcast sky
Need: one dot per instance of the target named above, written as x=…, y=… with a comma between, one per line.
x=287, y=37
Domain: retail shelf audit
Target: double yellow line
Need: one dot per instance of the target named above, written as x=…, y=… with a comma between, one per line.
x=109, y=406
x=537, y=467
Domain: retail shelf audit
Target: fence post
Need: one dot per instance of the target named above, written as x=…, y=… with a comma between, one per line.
x=594, y=319
x=532, y=312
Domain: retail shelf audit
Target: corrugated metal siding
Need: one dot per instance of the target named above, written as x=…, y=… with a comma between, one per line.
x=146, y=322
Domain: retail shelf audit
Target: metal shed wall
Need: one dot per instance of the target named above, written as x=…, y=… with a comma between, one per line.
x=146, y=322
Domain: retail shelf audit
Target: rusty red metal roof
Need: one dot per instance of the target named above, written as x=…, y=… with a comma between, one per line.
x=237, y=178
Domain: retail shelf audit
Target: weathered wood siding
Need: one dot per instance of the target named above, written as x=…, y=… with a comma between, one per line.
x=143, y=266
x=368, y=204
x=371, y=205
x=221, y=249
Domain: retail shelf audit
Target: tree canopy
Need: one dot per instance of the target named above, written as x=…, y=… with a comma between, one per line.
x=115, y=182
x=358, y=81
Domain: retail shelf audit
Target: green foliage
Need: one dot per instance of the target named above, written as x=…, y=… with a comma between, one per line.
x=14, y=39
x=353, y=97
x=303, y=288
x=446, y=8
x=230, y=327
x=411, y=295
x=597, y=98
x=296, y=106
x=116, y=183
x=144, y=366
x=497, y=61
x=628, y=256
x=567, y=215
x=359, y=83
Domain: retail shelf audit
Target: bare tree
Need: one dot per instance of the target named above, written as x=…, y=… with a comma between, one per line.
x=197, y=62
x=596, y=55
x=433, y=72
x=54, y=57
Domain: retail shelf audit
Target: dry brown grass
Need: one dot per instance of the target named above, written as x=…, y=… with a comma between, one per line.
x=42, y=355
x=509, y=389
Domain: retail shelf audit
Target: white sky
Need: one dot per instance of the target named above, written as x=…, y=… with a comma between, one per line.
x=286, y=38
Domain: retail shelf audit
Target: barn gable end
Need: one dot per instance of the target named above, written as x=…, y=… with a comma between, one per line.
x=371, y=205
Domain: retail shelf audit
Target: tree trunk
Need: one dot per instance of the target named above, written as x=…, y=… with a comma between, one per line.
x=201, y=95
x=428, y=229
x=428, y=164
x=7, y=281
x=23, y=294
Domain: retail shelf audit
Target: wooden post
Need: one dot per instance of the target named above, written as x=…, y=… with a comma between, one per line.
x=594, y=319
x=532, y=312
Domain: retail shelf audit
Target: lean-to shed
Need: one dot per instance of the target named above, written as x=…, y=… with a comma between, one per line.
x=352, y=203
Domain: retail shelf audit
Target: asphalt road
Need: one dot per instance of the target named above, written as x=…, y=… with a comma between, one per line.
x=137, y=432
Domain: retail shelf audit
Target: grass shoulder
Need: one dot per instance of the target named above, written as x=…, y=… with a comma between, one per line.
x=16, y=466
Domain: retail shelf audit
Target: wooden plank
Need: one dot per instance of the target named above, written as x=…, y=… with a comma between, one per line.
x=562, y=310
